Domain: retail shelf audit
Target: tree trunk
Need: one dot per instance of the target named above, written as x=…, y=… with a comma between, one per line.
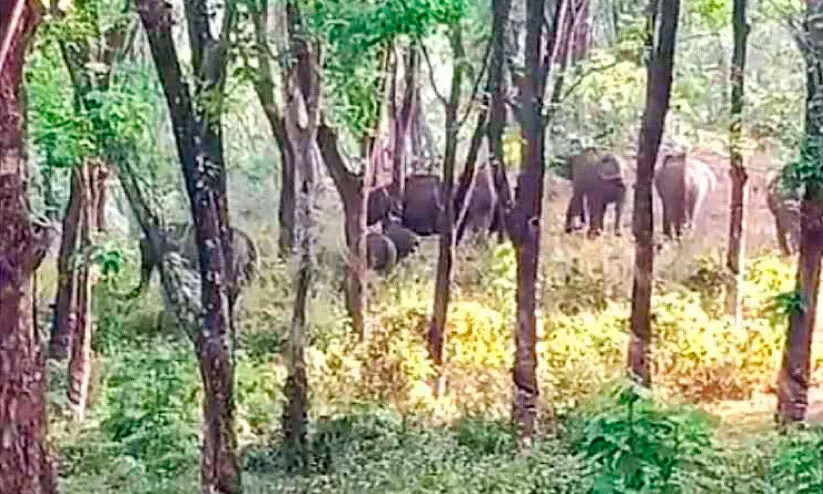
x=80, y=361
x=264, y=86
x=445, y=259
x=353, y=196
x=658, y=90
x=497, y=112
x=198, y=135
x=302, y=87
x=402, y=122
x=793, y=382
x=736, y=253
x=25, y=463
x=65, y=307
x=525, y=219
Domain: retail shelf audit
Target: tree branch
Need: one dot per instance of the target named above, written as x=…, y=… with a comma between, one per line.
x=437, y=93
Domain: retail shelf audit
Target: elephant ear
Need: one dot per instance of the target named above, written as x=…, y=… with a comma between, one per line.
x=610, y=168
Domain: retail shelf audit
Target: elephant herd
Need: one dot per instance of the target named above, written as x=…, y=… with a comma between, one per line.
x=683, y=184
x=599, y=180
x=422, y=214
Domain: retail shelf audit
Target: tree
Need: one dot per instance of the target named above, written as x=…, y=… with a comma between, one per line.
x=25, y=463
x=524, y=221
x=736, y=253
x=793, y=382
x=661, y=40
x=302, y=95
x=497, y=109
x=402, y=120
x=264, y=87
x=445, y=258
x=196, y=121
x=72, y=327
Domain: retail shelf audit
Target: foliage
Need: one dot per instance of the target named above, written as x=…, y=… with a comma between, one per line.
x=372, y=451
x=639, y=445
x=356, y=36
x=798, y=467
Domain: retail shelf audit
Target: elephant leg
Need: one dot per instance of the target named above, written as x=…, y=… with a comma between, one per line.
x=667, y=220
x=574, y=209
x=782, y=237
x=597, y=210
x=618, y=214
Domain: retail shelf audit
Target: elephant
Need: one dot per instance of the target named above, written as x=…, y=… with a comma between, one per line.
x=380, y=205
x=785, y=207
x=381, y=252
x=423, y=205
x=181, y=237
x=683, y=185
x=405, y=240
x=597, y=181
x=482, y=204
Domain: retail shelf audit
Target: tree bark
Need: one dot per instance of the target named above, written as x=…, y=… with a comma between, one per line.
x=264, y=87
x=402, y=122
x=81, y=330
x=353, y=195
x=524, y=221
x=793, y=382
x=302, y=87
x=198, y=135
x=497, y=112
x=25, y=463
x=739, y=176
x=445, y=259
x=663, y=30
x=65, y=307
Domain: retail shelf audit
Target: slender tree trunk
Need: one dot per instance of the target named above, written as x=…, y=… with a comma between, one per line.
x=302, y=96
x=524, y=223
x=198, y=135
x=736, y=253
x=80, y=348
x=25, y=463
x=658, y=90
x=445, y=259
x=264, y=86
x=793, y=383
x=497, y=112
x=65, y=307
x=402, y=122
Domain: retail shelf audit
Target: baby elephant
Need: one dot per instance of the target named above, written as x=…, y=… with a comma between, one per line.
x=405, y=241
x=785, y=207
x=381, y=253
x=683, y=186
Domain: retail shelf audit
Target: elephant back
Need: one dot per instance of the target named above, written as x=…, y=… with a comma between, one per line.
x=592, y=162
x=610, y=167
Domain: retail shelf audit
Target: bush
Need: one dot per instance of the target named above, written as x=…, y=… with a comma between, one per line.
x=376, y=451
x=639, y=445
x=798, y=467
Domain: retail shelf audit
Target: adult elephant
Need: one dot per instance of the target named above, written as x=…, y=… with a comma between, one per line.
x=597, y=181
x=784, y=205
x=180, y=237
x=683, y=185
x=423, y=204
